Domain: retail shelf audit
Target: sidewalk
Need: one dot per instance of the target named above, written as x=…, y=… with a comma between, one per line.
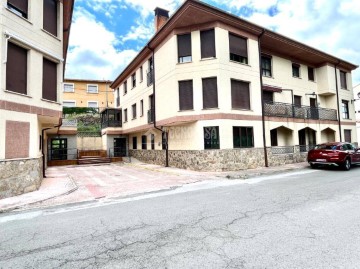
x=73, y=184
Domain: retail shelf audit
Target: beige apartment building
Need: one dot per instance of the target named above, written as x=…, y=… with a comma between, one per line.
x=87, y=93
x=34, y=41
x=211, y=91
x=357, y=109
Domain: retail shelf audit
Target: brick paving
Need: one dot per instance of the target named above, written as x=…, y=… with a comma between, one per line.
x=72, y=184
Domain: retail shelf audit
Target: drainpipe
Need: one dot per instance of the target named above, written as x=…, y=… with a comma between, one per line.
x=337, y=100
x=42, y=144
x=154, y=103
x=262, y=101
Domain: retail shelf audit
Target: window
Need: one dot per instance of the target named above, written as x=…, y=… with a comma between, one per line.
x=343, y=82
x=117, y=97
x=186, y=95
x=266, y=66
x=311, y=74
x=19, y=7
x=184, y=48
x=50, y=16
x=92, y=104
x=238, y=49
x=345, y=109
x=69, y=104
x=125, y=87
x=273, y=137
x=208, y=44
x=240, y=94
x=150, y=72
x=144, y=142
x=134, y=111
x=58, y=149
x=347, y=135
x=16, y=69
x=141, y=74
x=49, y=80
x=152, y=141
x=211, y=137
x=297, y=100
x=125, y=115
x=141, y=108
x=210, y=98
x=268, y=97
x=133, y=80
x=243, y=137
x=92, y=89
x=68, y=87
x=134, y=142
x=296, y=70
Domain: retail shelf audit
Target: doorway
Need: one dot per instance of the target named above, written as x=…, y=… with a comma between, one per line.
x=119, y=147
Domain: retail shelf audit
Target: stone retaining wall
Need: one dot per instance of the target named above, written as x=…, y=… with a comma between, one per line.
x=19, y=176
x=217, y=160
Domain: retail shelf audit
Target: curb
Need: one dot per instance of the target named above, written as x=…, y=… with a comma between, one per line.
x=12, y=208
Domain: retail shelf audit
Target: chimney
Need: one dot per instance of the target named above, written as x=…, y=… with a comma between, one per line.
x=161, y=17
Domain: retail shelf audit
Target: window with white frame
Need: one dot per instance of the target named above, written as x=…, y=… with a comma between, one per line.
x=92, y=104
x=92, y=88
x=68, y=103
x=68, y=87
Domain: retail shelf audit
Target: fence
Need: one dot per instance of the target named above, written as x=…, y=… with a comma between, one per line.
x=302, y=112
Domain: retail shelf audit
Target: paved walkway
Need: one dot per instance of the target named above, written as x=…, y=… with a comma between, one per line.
x=73, y=184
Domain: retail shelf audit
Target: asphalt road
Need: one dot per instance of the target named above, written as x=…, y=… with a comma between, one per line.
x=304, y=219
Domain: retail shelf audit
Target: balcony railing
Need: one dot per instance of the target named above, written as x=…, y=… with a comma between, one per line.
x=301, y=112
x=69, y=123
x=151, y=115
x=150, y=77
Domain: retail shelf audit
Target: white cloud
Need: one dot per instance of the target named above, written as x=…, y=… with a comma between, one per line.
x=92, y=53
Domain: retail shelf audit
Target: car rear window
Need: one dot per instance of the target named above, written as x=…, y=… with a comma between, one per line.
x=332, y=147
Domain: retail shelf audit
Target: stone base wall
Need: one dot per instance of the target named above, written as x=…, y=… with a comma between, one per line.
x=217, y=160
x=19, y=176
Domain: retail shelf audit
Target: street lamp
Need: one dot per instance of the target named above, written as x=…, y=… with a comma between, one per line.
x=354, y=100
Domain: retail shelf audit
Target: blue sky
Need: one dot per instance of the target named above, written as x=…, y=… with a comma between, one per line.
x=107, y=34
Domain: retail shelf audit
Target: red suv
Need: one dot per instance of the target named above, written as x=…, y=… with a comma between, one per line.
x=336, y=154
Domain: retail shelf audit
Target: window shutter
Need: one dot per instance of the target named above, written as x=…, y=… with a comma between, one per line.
x=347, y=136
x=49, y=80
x=16, y=69
x=240, y=94
x=208, y=43
x=50, y=16
x=210, y=98
x=311, y=74
x=184, y=45
x=22, y=5
x=297, y=101
x=343, y=80
x=238, y=45
x=186, y=95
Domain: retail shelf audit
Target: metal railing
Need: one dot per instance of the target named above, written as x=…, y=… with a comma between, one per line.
x=69, y=123
x=151, y=115
x=282, y=150
x=301, y=112
x=111, y=123
x=88, y=134
x=150, y=77
x=62, y=154
x=117, y=152
x=306, y=148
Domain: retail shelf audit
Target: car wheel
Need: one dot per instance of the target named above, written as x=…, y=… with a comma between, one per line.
x=313, y=165
x=347, y=165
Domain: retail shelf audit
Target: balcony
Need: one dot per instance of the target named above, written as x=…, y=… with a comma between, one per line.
x=150, y=77
x=111, y=118
x=151, y=115
x=285, y=110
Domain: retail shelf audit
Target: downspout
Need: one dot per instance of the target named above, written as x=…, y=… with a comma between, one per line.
x=337, y=100
x=42, y=144
x=154, y=108
x=262, y=101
